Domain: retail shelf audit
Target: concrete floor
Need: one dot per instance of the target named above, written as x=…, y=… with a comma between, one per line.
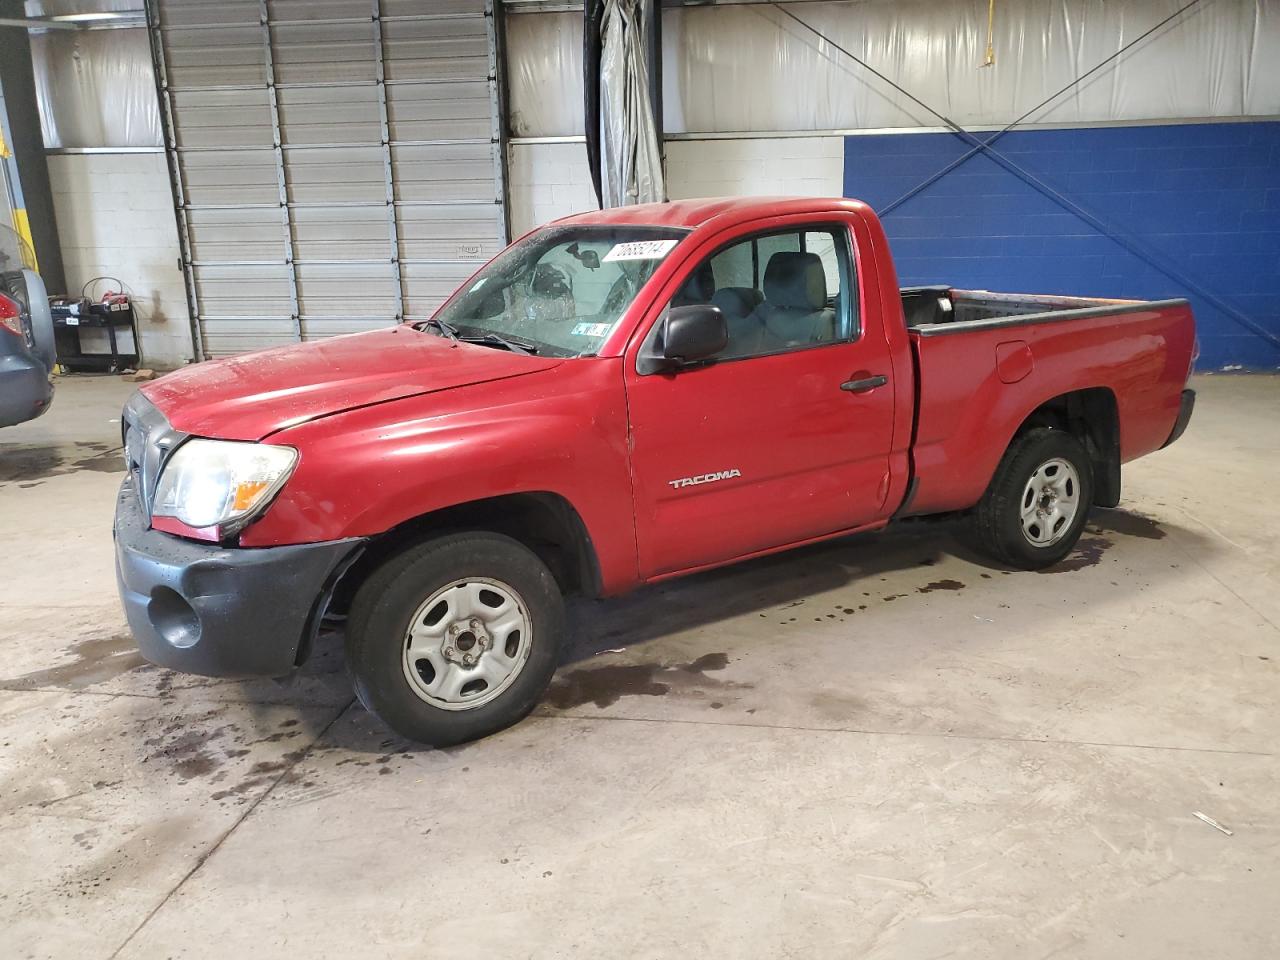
x=881, y=747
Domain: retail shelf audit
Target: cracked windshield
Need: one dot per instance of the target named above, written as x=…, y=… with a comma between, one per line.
x=557, y=293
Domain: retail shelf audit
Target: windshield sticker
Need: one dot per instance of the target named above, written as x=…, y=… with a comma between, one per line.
x=640, y=250
x=591, y=329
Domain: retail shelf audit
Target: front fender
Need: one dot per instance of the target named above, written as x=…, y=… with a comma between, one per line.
x=368, y=471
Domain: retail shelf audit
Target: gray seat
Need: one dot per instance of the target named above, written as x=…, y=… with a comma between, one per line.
x=795, y=308
x=699, y=288
x=738, y=304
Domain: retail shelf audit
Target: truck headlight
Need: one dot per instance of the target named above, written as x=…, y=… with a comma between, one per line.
x=221, y=483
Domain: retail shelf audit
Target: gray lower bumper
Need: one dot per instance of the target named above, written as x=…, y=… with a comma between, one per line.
x=220, y=611
x=1185, y=410
x=25, y=390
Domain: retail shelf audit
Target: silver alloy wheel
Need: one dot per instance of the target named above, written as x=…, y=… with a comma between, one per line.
x=1050, y=502
x=467, y=643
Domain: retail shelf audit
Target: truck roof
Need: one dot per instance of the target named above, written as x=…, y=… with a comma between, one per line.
x=694, y=213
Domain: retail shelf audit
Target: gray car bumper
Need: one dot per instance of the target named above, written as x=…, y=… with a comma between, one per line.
x=25, y=390
x=221, y=611
x=1185, y=410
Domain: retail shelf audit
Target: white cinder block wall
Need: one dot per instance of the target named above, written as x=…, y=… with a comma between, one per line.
x=115, y=218
x=550, y=180
x=547, y=181
x=778, y=166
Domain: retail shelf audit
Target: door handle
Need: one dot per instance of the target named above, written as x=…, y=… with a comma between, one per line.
x=862, y=386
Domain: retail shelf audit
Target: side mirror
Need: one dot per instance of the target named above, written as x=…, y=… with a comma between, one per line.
x=685, y=336
x=693, y=333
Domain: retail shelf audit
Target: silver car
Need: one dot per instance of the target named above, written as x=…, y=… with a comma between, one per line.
x=27, y=352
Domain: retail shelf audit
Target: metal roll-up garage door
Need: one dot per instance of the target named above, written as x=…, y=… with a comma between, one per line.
x=337, y=165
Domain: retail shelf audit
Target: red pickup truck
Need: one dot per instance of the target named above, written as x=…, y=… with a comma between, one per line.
x=617, y=398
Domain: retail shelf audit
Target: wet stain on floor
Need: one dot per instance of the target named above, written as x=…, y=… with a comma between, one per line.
x=1129, y=524
x=1088, y=553
x=187, y=751
x=30, y=464
x=708, y=661
x=263, y=775
x=96, y=660
x=605, y=686
x=940, y=585
x=189, y=748
x=1096, y=541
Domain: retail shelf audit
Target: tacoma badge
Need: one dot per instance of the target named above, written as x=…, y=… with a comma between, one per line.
x=705, y=478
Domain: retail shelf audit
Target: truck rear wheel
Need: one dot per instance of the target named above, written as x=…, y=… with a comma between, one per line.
x=455, y=639
x=1038, y=502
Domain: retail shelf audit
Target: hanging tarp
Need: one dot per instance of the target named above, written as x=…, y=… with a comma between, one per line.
x=96, y=88
x=623, y=147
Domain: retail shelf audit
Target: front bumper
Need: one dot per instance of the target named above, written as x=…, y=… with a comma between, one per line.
x=1184, y=417
x=221, y=611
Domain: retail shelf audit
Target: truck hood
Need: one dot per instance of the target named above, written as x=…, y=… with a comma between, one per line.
x=253, y=396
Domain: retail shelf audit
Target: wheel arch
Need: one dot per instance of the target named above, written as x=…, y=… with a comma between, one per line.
x=1091, y=415
x=545, y=522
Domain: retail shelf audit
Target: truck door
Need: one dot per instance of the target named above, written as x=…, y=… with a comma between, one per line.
x=785, y=435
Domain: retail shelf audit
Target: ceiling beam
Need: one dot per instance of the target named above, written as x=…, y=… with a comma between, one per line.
x=106, y=20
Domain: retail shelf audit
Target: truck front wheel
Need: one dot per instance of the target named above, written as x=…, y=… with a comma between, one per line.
x=456, y=638
x=1038, y=502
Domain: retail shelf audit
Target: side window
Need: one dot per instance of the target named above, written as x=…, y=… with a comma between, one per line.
x=824, y=245
x=774, y=244
x=734, y=267
x=779, y=291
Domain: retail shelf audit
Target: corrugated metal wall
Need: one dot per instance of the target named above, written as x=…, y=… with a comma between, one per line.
x=337, y=164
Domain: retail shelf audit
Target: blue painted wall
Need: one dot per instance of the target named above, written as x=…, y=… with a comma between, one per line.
x=1206, y=197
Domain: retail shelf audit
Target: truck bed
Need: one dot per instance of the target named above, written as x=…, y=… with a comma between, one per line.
x=984, y=361
x=934, y=310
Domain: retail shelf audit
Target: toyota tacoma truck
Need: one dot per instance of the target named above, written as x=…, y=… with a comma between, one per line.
x=618, y=398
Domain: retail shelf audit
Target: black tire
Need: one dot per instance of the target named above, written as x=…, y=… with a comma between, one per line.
x=997, y=520
x=378, y=624
x=41, y=319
